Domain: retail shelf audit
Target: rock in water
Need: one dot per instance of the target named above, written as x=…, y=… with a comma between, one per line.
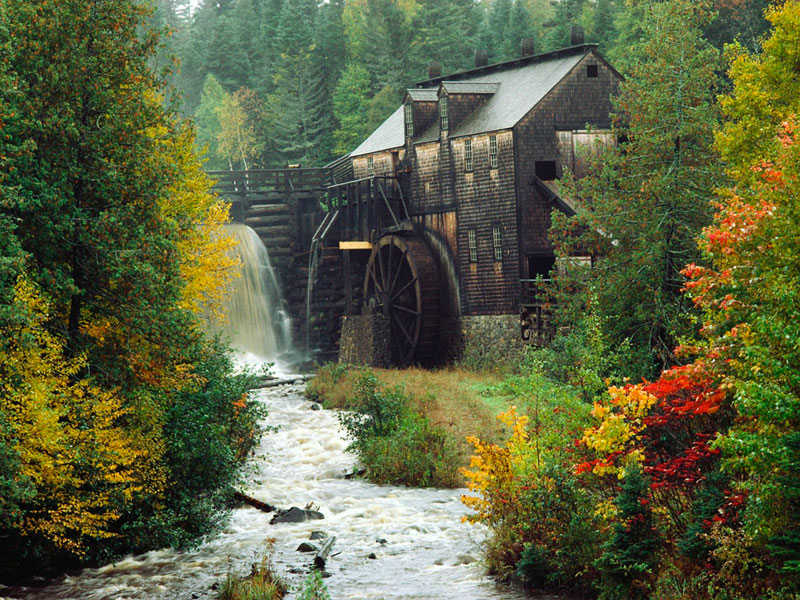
x=296, y=515
x=306, y=547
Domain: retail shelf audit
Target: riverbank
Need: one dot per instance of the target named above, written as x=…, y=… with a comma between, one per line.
x=464, y=404
x=421, y=547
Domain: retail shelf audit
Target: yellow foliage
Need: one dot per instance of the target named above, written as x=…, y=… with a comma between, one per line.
x=66, y=431
x=199, y=216
x=620, y=423
x=492, y=472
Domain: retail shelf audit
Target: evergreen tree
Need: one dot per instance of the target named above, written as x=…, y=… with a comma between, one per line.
x=567, y=14
x=499, y=25
x=644, y=207
x=208, y=125
x=227, y=56
x=629, y=557
x=519, y=28
x=445, y=32
x=297, y=104
x=603, y=29
x=350, y=105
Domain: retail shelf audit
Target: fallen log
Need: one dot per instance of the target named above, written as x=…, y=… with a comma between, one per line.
x=323, y=552
x=253, y=502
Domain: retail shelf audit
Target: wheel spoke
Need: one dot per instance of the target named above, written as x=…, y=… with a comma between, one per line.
x=388, y=269
x=410, y=311
x=382, y=269
x=409, y=283
x=403, y=329
x=397, y=272
x=374, y=277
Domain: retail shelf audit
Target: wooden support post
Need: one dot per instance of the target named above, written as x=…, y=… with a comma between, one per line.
x=348, y=283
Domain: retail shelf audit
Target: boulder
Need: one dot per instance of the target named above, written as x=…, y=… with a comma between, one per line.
x=296, y=515
x=306, y=547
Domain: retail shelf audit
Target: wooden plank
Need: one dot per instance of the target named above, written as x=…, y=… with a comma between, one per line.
x=348, y=283
x=352, y=245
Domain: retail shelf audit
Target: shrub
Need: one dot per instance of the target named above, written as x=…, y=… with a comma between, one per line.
x=394, y=443
x=261, y=584
x=314, y=588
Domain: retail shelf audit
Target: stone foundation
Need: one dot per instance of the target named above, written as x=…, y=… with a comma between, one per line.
x=365, y=341
x=489, y=341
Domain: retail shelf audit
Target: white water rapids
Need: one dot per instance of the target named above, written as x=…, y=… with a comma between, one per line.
x=429, y=553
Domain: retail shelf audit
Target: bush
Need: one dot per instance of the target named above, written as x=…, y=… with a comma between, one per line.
x=261, y=584
x=314, y=588
x=394, y=443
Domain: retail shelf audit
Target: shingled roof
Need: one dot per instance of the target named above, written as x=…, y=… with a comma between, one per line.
x=516, y=87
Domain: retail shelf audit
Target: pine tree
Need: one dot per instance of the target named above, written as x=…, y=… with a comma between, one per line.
x=629, y=557
x=297, y=103
x=208, y=125
x=643, y=208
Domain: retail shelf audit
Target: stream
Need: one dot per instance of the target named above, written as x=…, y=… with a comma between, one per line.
x=428, y=553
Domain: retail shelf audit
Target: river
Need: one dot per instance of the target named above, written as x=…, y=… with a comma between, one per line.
x=428, y=553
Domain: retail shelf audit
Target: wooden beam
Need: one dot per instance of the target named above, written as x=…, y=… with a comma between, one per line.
x=355, y=246
x=348, y=282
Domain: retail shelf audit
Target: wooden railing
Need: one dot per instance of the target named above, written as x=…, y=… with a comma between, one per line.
x=261, y=181
x=536, y=314
x=368, y=207
x=533, y=291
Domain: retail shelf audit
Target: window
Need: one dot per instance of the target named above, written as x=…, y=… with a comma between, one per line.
x=591, y=70
x=443, y=113
x=371, y=165
x=492, y=151
x=497, y=240
x=409, y=117
x=468, y=154
x=545, y=169
x=473, y=246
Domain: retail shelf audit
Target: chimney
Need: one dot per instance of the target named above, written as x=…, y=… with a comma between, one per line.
x=481, y=58
x=576, y=35
x=526, y=46
x=434, y=69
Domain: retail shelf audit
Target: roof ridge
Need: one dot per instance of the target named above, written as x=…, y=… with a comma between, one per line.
x=514, y=62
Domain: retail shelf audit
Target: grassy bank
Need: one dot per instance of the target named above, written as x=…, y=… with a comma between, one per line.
x=402, y=418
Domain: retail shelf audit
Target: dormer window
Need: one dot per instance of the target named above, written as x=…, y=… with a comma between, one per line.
x=408, y=111
x=468, y=154
x=443, y=113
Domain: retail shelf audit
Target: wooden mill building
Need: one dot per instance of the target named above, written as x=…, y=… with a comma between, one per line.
x=438, y=222
x=471, y=158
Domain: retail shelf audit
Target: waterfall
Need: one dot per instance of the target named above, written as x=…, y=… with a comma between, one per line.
x=258, y=322
x=313, y=264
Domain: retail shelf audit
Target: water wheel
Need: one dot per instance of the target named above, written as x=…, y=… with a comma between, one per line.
x=402, y=282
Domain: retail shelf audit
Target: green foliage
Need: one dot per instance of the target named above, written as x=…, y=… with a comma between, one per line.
x=122, y=422
x=784, y=545
x=629, y=557
x=395, y=444
x=262, y=583
x=314, y=588
x=644, y=205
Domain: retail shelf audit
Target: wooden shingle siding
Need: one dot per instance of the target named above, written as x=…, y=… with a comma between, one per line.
x=426, y=188
x=381, y=161
x=485, y=199
x=576, y=101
